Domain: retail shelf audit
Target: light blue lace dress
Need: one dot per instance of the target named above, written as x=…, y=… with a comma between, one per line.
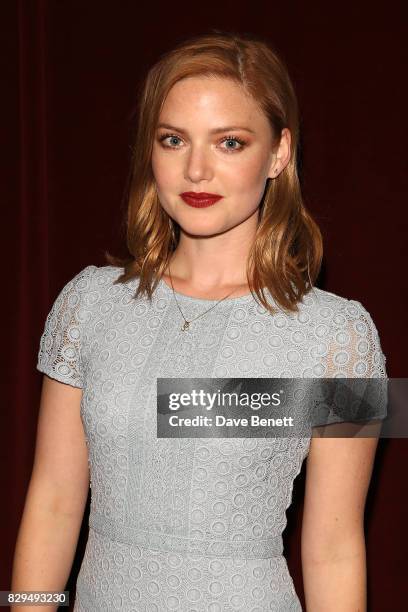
x=189, y=524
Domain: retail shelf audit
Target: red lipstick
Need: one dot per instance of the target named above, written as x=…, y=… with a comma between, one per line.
x=201, y=199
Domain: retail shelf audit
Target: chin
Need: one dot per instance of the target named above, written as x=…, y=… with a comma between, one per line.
x=199, y=232
x=202, y=229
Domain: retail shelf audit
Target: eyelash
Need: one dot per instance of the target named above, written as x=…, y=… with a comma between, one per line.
x=226, y=139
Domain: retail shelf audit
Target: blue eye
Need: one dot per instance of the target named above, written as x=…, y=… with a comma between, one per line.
x=236, y=140
x=174, y=141
x=172, y=138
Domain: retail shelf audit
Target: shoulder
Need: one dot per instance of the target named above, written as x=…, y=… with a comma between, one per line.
x=95, y=281
x=99, y=275
x=88, y=288
x=346, y=331
x=329, y=307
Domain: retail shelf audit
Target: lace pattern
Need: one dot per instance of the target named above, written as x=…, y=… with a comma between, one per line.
x=60, y=345
x=165, y=510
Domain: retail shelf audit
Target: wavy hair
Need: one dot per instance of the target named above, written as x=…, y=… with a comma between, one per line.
x=287, y=250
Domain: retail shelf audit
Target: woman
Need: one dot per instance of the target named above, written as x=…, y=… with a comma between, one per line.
x=219, y=284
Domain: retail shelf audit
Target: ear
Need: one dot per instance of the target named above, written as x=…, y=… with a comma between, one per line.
x=281, y=157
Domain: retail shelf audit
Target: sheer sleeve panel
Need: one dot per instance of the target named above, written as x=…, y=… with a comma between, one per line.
x=355, y=349
x=355, y=354
x=59, y=354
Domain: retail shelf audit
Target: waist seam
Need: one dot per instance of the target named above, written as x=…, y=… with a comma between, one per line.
x=247, y=549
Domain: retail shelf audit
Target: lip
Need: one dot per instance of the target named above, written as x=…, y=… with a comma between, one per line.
x=200, y=199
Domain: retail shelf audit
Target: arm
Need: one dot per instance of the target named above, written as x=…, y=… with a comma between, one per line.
x=56, y=496
x=333, y=543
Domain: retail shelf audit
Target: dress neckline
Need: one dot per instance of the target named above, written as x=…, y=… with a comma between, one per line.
x=166, y=289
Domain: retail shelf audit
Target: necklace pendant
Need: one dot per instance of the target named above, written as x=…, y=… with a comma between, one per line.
x=186, y=325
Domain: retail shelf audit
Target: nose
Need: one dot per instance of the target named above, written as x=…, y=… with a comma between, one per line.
x=198, y=165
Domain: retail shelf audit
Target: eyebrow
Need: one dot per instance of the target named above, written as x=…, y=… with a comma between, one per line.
x=227, y=128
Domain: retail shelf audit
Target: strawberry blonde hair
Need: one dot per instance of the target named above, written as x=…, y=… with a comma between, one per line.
x=287, y=251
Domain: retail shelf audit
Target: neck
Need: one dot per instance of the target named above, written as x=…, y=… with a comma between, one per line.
x=212, y=264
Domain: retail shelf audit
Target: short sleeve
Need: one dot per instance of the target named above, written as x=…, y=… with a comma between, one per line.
x=355, y=356
x=59, y=354
x=355, y=349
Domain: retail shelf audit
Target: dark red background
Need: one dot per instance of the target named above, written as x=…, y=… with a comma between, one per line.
x=70, y=72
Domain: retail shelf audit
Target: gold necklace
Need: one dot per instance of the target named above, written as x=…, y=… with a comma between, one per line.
x=186, y=324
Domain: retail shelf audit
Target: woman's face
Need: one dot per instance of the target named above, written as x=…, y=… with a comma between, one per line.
x=211, y=137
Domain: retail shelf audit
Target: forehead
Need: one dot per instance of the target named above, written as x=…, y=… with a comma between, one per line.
x=214, y=98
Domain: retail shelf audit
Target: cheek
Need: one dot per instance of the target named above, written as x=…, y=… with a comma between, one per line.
x=247, y=179
x=164, y=172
